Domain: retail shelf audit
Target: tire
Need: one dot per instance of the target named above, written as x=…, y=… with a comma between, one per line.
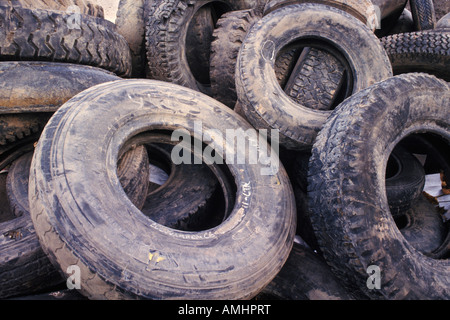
x=355, y=229
x=228, y=36
x=426, y=51
x=299, y=125
x=169, y=54
x=317, y=81
x=305, y=276
x=422, y=226
x=423, y=14
x=58, y=37
x=405, y=180
x=235, y=260
x=32, y=91
x=81, y=6
x=24, y=267
x=362, y=10
x=131, y=25
x=185, y=199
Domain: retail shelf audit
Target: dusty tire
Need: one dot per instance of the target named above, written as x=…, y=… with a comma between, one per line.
x=68, y=6
x=363, y=10
x=56, y=36
x=247, y=250
x=168, y=52
x=228, y=36
x=426, y=51
x=423, y=13
x=355, y=229
x=24, y=267
x=131, y=25
x=32, y=91
x=264, y=103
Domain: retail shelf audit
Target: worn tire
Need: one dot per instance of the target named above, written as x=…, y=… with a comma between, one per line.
x=228, y=36
x=426, y=51
x=354, y=226
x=363, y=10
x=170, y=24
x=264, y=103
x=55, y=36
x=423, y=13
x=130, y=22
x=31, y=91
x=233, y=260
x=24, y=267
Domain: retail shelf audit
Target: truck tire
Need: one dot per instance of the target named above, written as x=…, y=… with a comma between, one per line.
x=264, y=103
x=347, y=198
x=57, y=36
x=235, y=259
x=425, y=51
x=31, y=91
x=170, y=24
x=24, y=267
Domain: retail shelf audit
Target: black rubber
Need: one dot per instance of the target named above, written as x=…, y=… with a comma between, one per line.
x=347, y=197
x=45, y=35
x=425, y=51
x=405, y=179
x=170, y=25
x=235, y=259
x=423, y=13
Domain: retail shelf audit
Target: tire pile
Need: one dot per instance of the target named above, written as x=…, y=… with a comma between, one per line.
x=349, y=101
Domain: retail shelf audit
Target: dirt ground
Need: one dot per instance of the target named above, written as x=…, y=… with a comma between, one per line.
x=110, y=7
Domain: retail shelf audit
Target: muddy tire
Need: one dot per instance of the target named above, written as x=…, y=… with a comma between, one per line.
x=32, y=91
x=56, y=36
x=426, y=51
x=423, y=13
x=235, y=259
x=170, y=24
x=264, y=103
x=131, y=25
x=355, y=229
x=68, y=6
